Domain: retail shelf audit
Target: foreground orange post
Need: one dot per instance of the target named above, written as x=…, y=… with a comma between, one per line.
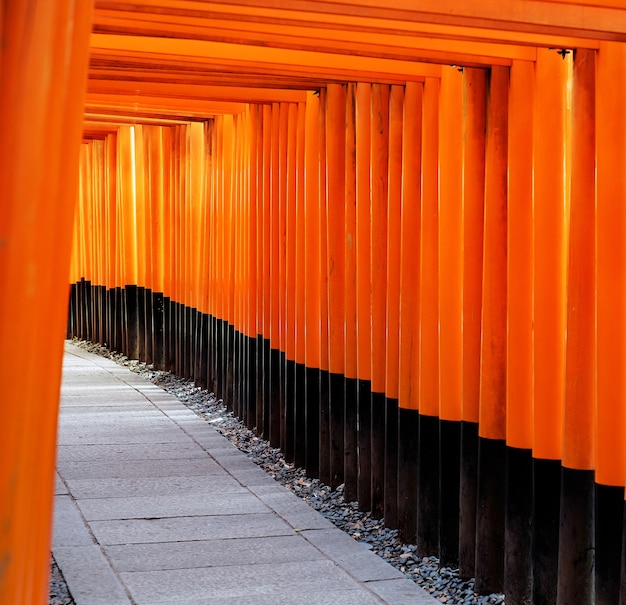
x=519, y=392
x=551, y=72
x=43, y=66
x=611, y=300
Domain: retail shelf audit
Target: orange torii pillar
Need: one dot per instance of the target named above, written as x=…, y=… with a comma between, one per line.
x=551, y=72
x=492, y=413
x=611, y=326
x=519, y=380
x=300, y=303
x=392, y=342
x=409, y=337
x=363, y=296
x=43, y=67
x=351, y=469
x=428, y=495
x=335, y=227
x=450, y=310
x=312, y=311
x=576, y=543
x=474, y=128
x=379, y=158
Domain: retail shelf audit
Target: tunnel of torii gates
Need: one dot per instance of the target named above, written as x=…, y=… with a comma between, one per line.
x=389, y=235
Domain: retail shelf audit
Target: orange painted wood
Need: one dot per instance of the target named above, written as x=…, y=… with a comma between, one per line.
x=519, y=371
x=291, y=232
x=363, y=295
x=429, y=254
x=474, y=133
x=579, y=426
x=335, y=228
x=410, y=253
x=394, y=209
x=349, y=235
x=379, y=158
x=549, y=253
x=611, y=265
x=43, y=67
x=492, y=415
x=450, y=245
x=312, y=242
x=300, y=262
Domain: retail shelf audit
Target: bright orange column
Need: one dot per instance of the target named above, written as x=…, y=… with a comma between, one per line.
x=474, y=124
x=549, y=254
x=408, y=370
x=450, y=246
x=611, y=265
x=43, y=66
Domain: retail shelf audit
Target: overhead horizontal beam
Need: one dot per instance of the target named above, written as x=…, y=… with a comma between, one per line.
x=264, y=59
x=182, y=92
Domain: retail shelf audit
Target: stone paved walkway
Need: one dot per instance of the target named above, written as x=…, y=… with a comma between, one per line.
x=154, y=506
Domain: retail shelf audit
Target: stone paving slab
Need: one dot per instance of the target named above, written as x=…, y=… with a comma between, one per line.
x=211, y=553
x=154, y=506
x=177, y=505
x=153, y=486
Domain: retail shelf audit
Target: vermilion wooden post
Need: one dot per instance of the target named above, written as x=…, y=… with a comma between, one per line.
x=576, y=561
x=43, y=67
x=492, y=414
x=274, y=278
x=312, y=276
x=450, y=309
x=519, y=371
x=392, y=351
x=324, y=394
x=335, y=228
x=351, y=469
x=549, y=313
x=474, y=132
x=300, y=293
x=409, y=313
x=363, y=308
x=379, y=159
x=428, y=495
x=290, y=282
x=611, y=301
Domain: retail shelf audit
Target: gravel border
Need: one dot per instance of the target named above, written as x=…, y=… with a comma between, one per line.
x=59, y=593
x=443, y=583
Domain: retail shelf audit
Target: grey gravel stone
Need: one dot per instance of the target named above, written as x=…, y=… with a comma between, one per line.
x=59, y=593
x=441, y=582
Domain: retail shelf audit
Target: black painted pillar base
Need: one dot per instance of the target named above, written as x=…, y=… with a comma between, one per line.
x=337, y=425
x=290, y=410
x=467, y=501
x=576, y=556
x=351, y=462
x=141, y=323
x=364, y=425
x=391, y=463
x=230, y=366
x=546, y=521
x=490, y=516
x=300, y=416
x=132, y=322
x=282, y=399
x=518, y=527
x=259, y=382
x=158, y=309
x=148, y=311
x=378, y=432
x=275, y=411
x=312, y=411
x=608, y=537
x=118, y=320
x=449, y=481
x=428, y=495
x=408, y=451
x=324, y=424
x=267, y=388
